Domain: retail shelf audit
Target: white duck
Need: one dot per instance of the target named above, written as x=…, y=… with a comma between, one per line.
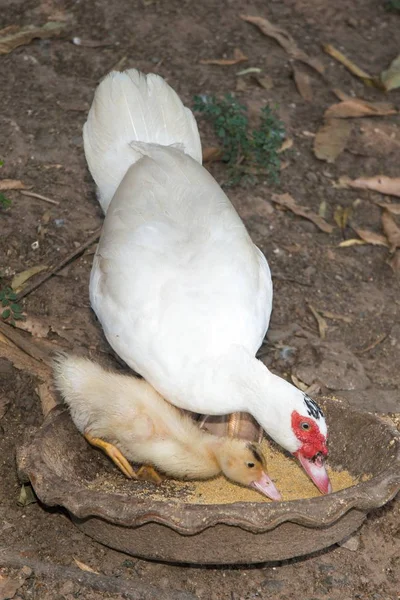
x=140, y=425
x=182, y=293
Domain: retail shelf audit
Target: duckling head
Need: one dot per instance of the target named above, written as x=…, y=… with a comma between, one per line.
x=242, y=462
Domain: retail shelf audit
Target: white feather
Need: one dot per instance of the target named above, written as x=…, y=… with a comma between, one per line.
x=132, y=107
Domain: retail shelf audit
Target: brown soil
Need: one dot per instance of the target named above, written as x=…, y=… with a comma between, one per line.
x=46, y=90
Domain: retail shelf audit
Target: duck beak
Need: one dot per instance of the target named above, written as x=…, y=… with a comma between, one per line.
x=266, y=487
x=315, y=469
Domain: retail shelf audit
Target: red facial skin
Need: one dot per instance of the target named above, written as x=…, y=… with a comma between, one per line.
x=312, y=439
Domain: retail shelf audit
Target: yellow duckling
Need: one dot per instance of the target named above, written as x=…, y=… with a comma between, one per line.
x=137, y=423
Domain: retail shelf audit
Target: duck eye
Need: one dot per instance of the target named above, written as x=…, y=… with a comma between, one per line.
x=250, y=465
x=305, y=426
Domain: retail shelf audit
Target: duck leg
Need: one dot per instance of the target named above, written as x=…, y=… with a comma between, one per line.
x=148, y=473
x=145, y=473
x=116, y=455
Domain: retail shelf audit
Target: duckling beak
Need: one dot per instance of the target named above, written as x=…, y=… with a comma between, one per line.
x=266, y=487
x=315, y=469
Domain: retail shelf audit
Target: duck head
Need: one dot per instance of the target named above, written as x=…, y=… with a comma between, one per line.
x=293, y=420
x=304, y=433
x=244, y=463
x=311, y=431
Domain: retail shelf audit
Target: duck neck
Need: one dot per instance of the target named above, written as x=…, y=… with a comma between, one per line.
x=252, y=388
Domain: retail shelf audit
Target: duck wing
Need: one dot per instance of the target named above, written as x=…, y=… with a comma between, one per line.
x=176, y=278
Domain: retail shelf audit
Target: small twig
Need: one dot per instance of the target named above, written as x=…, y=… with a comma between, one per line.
x=118, y=66
x=39, y=196
x=69, y=258
x=378, y=341
x=25, y=343
x=28, y=356
x=262, y=352
x=322, y=324
x=23, y=361
x=132, y=590
x=291, y=279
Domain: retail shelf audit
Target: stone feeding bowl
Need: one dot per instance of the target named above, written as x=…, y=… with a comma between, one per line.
x=62, y=468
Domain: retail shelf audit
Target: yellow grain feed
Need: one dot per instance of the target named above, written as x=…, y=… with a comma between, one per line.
x=286, y=473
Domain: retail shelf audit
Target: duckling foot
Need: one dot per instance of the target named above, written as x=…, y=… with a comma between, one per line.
x=148, y=473
x=116, y=455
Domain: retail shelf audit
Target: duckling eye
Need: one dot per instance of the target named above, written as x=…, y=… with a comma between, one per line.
x=305, y=426
x=250, y=465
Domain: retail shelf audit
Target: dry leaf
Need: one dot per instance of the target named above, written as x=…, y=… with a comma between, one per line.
x=340, y=95
x=322, y=324
x=391, y=77
x=378, y=183
x=392, y=231
x=60, y=15
x=322, y=209
x=394, y=262
x=370, y=237
x=264, y=81
x=26, y=496
x=286, y=145
x=394, y=209
x=84, y=567
x=284, y=165
x=342, y=182
x=35, y=326
x=342, y=215
x=331, y=139
x=241, y=85
x=238, y=57
x=248, y=71
x=10, y=585
x=23, y=362
x=4, y=404
x=90, y=43
x=303, y=83
x=335, y=316
x=299, y=384
x=351, y=242
x=24, y=35
x=287, y=201
x=285, y=40
x=11, y=184
x=47, y=397
x=210, y=154
x=350, y=66
x=355, y=107
x=20, y=278
x=9, y=29
x=312, y=390
x=379, y=340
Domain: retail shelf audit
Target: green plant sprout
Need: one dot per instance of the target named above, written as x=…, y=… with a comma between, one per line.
x=11, y=310
x=248, y=154
x=4, y=202
x=392, y=5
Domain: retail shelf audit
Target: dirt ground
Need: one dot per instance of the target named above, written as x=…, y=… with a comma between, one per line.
x=46, y=90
